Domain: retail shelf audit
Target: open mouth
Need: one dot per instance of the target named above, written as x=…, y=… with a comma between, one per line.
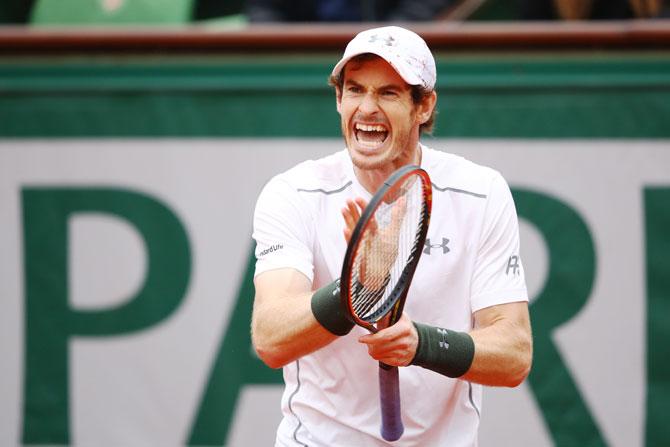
x=370, y=136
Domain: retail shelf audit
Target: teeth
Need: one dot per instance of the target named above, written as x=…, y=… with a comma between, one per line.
x=369, y=144
x=370, y=128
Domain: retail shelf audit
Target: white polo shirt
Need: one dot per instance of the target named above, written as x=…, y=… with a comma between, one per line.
x=470, y=261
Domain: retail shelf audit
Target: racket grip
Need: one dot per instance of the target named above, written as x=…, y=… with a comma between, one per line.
x=389, y=396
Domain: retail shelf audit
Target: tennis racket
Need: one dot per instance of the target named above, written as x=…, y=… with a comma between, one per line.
x=381, y=258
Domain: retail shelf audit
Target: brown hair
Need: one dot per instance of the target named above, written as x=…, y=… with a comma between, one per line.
x=418, y=92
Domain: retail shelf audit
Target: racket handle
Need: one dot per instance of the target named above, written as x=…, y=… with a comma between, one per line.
x=389, y=396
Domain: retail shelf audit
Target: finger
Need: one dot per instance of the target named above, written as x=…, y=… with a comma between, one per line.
x=353, y=207
x=402, y=328
x=351, y=215
x=397, y=216
x=399, y=209
x=361, y=202
x=384, y=336
x=394, y=357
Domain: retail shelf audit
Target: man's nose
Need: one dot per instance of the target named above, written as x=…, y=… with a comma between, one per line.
x=369, y=103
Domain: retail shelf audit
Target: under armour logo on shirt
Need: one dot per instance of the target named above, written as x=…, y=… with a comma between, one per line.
x=428, y=246
x=443, y=333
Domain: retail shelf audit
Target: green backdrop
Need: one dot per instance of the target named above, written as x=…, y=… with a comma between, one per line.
x=529, y=95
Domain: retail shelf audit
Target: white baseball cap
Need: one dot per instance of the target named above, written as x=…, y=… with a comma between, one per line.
x=403, y=49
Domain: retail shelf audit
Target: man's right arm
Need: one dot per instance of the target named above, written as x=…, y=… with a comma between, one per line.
x=283, y=327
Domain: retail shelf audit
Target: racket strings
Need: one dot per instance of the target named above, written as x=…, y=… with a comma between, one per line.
x=389, y=244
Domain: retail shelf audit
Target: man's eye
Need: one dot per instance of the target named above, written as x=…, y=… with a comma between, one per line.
x=390, y=93
x=353, y=89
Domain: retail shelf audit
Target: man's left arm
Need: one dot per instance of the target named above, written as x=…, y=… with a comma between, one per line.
x=503, y=345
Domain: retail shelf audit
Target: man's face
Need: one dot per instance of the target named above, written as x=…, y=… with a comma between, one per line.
x=380, y=122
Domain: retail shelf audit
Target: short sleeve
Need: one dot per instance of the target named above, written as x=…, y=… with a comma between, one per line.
x=281, y=230
x=498, y=275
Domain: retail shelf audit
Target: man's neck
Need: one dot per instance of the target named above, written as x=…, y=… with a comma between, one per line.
x=372, y=179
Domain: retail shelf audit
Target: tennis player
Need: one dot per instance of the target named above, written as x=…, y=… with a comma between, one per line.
x=466, y=320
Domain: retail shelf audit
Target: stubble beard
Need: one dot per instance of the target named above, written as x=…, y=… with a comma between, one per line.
x=369, y=163
x=387, y=159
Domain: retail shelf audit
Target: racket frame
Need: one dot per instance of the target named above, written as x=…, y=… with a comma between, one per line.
x=396, y=301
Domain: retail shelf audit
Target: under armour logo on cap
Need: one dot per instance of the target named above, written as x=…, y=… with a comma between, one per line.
x=403, y=49
x=389, y=40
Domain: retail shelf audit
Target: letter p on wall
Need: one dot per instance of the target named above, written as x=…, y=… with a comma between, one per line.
x=49, y=320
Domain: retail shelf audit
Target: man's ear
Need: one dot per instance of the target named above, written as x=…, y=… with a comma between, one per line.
x=426, y=107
